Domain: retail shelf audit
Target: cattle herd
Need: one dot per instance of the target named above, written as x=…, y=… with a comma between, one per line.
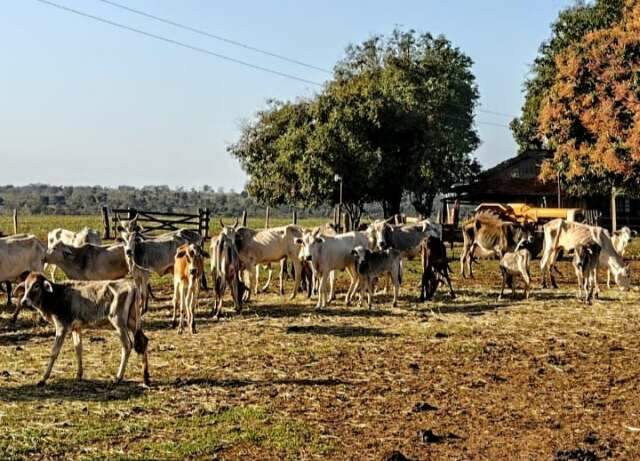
x=110, y=283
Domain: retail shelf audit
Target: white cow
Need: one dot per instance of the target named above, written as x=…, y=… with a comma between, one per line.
x=328, y=254
x=620, y=240
x=20, y=254
x=568, y=236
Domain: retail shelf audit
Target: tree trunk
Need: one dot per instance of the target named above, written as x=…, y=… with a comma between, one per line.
x=391, y=206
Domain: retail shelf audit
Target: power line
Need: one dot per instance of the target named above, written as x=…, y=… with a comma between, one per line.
x=214, y=54
x=249, y=47
x=216, y=37
x=178, y=43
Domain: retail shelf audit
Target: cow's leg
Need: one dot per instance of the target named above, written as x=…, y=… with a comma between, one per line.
x=283, y=267
x=526, y=276
x=332, y=286
x=608, y=279
x=297, y=268
x=448, y=279
x=8, y=289
x=61, y=333
x=369, y=282
x=174, y=301
x=125, y=341
x=322, y=282
x=396, y=287
x=503, y=272
x=77, y=344
x=353, y=277
x=183, y=300
x=463, y=260
x=578, y=272
x=235, y=294
x=250, y=281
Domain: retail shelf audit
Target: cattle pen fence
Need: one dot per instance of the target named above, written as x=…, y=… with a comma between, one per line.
x=155, y=221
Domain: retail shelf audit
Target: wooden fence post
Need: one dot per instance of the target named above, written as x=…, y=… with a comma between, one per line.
x=347, y=222
x=614, y=211
x=15, y=220
x=295, y=217
x=106, y=235
x=266, y=219
x=244, y=218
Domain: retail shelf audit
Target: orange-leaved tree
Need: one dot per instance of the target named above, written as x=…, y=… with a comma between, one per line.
x=591, y=116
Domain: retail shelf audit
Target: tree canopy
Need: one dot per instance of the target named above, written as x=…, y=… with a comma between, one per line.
x=396, y=119
x=591, y=115
x=569, y=29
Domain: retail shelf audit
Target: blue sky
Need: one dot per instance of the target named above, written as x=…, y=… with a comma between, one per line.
x=84, y=103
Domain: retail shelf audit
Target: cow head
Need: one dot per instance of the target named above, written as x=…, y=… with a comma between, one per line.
x=130, y=240
x=310, y=246
x=194, y=255
x=57, y=253
x=36, y=287
x=379, y=233
x=623, y=278
x=361, y=255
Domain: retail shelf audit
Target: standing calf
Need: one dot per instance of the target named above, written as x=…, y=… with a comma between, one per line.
x=187, y=273
x=512, y=264
x=72, y=305
x=373, y=264
x=585, y=263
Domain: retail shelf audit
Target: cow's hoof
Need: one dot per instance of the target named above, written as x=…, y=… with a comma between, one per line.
x=41, y=383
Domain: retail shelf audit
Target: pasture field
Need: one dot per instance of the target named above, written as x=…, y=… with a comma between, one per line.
x=470, y=378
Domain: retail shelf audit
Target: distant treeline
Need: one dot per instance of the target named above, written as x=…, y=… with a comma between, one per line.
x=89, y=200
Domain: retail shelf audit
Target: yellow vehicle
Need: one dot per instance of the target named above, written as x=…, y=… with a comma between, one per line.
x=523, y=213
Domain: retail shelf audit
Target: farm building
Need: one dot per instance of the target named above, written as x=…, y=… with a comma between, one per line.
x=516, y=181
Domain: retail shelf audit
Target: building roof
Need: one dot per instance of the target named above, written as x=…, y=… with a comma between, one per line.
x=515, y=177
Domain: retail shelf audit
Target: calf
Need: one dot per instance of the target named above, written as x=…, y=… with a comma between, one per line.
x=585, y=263
x=620, y=239
x=373, y=264
x=513, y=264
x=70, y=306
x=225, y=268
x=187, y=273
x=435, y=268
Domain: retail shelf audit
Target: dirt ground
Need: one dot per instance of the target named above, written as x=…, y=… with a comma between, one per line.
x=470, y=378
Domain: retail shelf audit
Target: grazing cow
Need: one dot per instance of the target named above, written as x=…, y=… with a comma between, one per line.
x=187, y=273
x=267, y=246
x=329, y=254
x=406, y=238
x=19, y=254
x=561, y=235
x=88, y=261
x=76, y=239
x=487, y=235
x=585, y=263
x=435, y=268
x=70, y=306
x=620, y=240
x=513, y=264
x=225, y=269
x=373, y=264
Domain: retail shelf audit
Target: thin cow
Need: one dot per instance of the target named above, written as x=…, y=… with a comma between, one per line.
x=488, y=235
x=76, y=239
x=568, y=236
x=70, y=306
x=225, y=269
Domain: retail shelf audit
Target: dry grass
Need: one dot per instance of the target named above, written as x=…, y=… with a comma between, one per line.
x=539, y=379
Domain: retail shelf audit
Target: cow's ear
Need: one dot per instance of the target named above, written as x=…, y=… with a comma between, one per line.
x=47, y=286
x=299, y=241
x=181, y=254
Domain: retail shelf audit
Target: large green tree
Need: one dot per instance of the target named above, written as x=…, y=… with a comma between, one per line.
x=396, y=119
x=572, y=25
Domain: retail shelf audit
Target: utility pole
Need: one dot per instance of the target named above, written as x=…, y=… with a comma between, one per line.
x=337, y=178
